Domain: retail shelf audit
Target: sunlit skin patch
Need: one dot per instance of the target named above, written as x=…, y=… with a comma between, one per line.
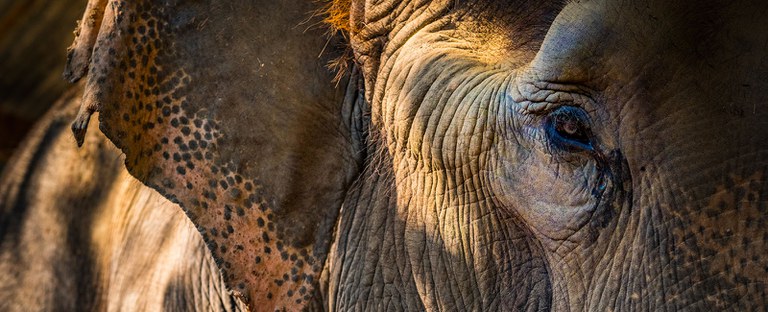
x=147, y=103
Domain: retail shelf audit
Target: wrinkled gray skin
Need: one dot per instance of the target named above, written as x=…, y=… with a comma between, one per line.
x=513, y=155
x=665, y=211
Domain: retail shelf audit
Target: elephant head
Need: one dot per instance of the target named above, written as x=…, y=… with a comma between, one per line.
x=475, y=155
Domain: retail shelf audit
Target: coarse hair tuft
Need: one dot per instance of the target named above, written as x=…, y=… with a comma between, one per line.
x=336, y=15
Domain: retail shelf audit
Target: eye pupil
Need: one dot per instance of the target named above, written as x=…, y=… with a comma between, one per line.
x=569, y=128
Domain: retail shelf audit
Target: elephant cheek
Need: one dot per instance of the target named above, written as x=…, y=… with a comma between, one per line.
x=726, y=236
x=553, y=202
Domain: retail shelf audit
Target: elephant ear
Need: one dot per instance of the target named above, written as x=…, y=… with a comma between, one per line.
x=227, y=108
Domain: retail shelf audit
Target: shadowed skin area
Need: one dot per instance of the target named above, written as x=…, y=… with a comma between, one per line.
x=78, y=233
x=31, y=68
x=479, y=155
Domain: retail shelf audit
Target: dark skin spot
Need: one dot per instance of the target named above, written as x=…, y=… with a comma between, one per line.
x=227, y=213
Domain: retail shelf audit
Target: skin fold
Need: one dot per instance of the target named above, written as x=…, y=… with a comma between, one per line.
x=78, y=233
x=475, y=155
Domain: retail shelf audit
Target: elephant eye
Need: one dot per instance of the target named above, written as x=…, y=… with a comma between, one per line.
x=568, y=129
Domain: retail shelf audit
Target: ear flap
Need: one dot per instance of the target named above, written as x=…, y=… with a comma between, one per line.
x=226, y=107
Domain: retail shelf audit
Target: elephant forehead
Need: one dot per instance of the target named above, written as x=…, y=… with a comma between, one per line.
x=610, y=42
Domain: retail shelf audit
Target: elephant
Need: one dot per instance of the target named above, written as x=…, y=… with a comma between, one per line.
x=459, y=155
x=78, y=233
x=69, y=217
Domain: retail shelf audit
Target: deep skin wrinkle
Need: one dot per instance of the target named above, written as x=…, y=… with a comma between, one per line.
x=437, y=119
x=461, y=120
